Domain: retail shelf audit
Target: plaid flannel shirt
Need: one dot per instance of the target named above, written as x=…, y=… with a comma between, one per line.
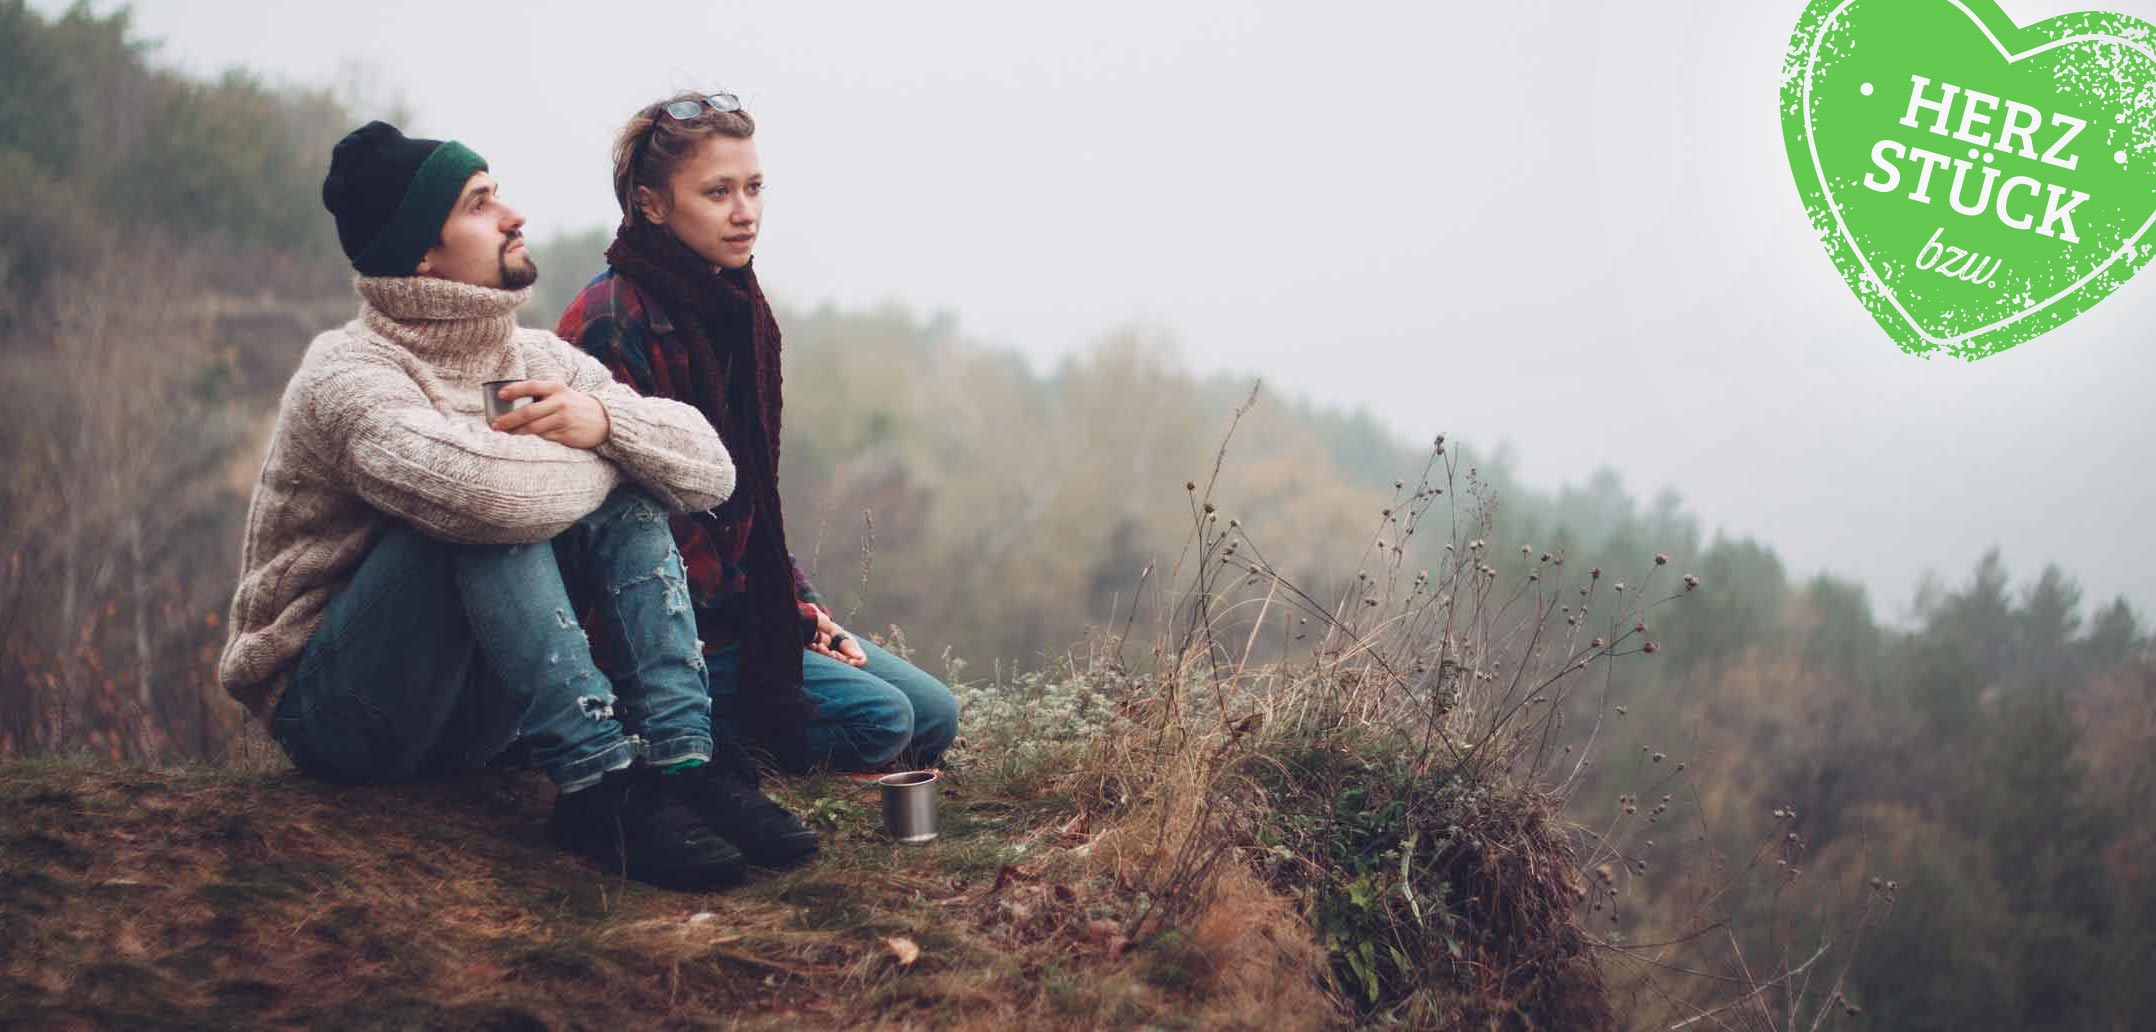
x=617, y=324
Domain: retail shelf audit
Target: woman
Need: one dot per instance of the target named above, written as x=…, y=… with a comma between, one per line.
x=678, y=314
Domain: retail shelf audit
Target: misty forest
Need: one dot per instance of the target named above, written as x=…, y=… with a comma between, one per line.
x=1271, y=717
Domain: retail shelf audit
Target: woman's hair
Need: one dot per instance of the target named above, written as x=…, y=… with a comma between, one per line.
x=654, y=144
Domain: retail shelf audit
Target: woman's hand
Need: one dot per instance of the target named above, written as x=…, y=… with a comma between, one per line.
x=560, y=414
x=829, y=634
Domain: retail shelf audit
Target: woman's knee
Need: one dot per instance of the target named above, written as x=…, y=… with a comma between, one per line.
x=916, y=720
x=883, y=726
x=934, y=707
x=935, y=716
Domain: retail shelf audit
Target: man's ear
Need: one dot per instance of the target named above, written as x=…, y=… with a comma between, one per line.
x=648, y=203
x=426, y=261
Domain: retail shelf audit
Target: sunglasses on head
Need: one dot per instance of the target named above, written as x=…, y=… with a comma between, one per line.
x=684, y=110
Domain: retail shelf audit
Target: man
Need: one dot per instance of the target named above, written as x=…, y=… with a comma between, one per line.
x=412, y=571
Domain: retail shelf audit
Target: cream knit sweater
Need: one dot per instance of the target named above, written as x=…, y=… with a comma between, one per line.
x=384, y=420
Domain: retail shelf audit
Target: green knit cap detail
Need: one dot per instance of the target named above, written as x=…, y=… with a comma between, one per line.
x=417, y=223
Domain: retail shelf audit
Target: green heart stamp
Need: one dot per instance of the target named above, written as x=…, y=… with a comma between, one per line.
x=1977, y=182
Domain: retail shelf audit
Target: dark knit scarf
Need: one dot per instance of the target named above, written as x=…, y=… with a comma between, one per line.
x=732, y=343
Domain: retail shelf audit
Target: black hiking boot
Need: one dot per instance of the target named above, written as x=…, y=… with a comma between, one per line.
x=727, y=792
x=627, y=824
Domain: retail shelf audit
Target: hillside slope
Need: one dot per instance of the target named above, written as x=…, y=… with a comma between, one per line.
x=206, y=897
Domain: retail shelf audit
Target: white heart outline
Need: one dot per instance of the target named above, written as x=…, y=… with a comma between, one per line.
x=1811, y=143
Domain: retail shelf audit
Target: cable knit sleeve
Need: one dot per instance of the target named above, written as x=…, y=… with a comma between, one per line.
x=665, y=445
x=454, y=480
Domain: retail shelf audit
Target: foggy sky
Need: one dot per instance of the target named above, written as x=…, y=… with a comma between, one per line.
x=1567, y=225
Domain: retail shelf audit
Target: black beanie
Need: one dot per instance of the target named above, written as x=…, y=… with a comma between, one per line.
x=391, y=194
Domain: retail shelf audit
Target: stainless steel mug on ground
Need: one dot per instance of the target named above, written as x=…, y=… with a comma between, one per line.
x=909, y=805
x=496, y=407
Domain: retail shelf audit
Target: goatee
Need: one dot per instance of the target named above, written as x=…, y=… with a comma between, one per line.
x=521, y=275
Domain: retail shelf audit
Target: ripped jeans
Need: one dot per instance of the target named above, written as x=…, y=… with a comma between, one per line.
x=439, y=656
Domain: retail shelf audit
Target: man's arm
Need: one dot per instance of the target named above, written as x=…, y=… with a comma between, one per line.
x=665, y=445
x=456, y=480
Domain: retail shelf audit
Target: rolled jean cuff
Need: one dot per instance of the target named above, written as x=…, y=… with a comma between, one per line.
x=676, y=749
x=576, y=774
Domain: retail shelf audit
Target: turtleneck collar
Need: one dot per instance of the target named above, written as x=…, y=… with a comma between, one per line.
x=448, y=325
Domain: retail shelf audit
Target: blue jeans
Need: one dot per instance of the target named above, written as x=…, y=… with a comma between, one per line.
x=865, y=717
x=439, y=656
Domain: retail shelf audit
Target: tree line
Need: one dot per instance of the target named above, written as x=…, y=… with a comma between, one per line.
x=164, y=259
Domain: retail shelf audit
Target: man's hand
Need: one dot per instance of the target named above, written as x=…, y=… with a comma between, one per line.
x=848, y=650
x=558, y=413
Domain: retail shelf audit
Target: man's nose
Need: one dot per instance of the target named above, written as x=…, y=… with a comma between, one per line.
x=512, y=221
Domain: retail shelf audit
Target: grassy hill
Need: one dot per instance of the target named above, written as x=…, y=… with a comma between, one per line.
x=202, y=897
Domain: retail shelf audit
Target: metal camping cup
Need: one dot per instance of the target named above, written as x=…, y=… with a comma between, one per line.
x=909, y=805
x=496, y=407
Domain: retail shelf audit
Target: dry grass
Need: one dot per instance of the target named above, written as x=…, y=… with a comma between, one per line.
x=201, y=896
x=1377, y=786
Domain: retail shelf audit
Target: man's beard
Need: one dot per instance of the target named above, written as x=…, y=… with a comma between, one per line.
x=517, y=277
